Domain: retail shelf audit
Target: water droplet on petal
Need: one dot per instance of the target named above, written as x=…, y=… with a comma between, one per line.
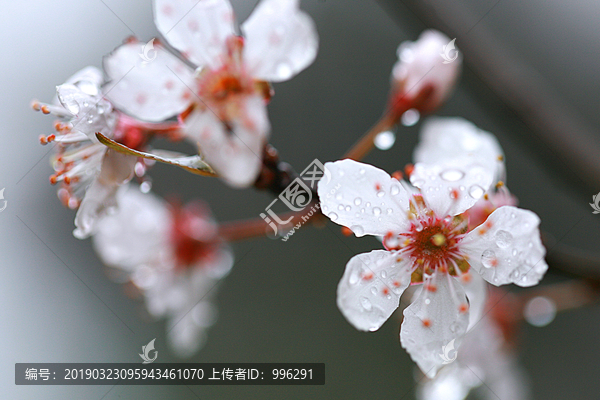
x=476, y=191
x=348, y=208
x=488, y=259
x=380, y=193
x=455, y=327
x=357, y=201
x=452, y=175
x=385, y=140
x=503, y=239
x=514, y=275
x=376, y=211
x=394, y=190
x=341, y=207
x=332, y=216
x=366, y=303
x=427, y=301
x=374, y=290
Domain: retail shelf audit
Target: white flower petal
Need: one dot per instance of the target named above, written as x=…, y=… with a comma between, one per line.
x=428, y=328
x=197, y=28
x=370, y=290
x=237, y=155
x=476, y=292
x=136, y=233
x=116, y=170
x=88, y=80
x=98, y=199
x=151, y=91
x=452, y=187
x=451, y=383
x=281, y=40
x=363, y=198
x=507, y=248
x=444, y=139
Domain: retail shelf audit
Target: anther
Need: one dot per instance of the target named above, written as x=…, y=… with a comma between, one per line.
x=438, y=239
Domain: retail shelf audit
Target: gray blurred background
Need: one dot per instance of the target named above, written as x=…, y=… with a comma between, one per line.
x=278, y=303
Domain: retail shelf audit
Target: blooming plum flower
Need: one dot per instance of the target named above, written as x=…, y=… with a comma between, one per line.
x=89, y=173
x=426, y=242
x=173, y=255
x=222, y=100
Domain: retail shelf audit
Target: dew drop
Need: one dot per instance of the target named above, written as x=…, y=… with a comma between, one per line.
x=374, y=290
x=380, y=193
x=348, y=208
x=376, y=211
x=410, y=117
x=146, y=186
x=362, y=171
x=90, y=119
x=427, y=301
x=394, y=190
x=332, y=216
x=515, y=275
x=476, y=191
x=455, y=327
x=384, y=140
x=383, y=274
x=452, y=175
x=488, y=259
x=366, y=303
x=503, y=239
x=341, y=207
x=390, y=211
x=368, y=204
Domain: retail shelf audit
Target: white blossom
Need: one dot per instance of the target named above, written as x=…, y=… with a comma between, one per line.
x=173, y=255
x=222, y=100
x=427, y=242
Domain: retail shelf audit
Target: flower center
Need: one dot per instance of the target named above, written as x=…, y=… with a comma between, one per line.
x=193, y=236
x=431, y=243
